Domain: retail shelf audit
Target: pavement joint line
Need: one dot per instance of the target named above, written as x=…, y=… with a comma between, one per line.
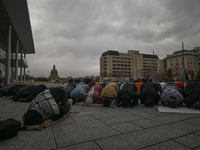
x=54, y=137
x=97, y=144
x=181, y=144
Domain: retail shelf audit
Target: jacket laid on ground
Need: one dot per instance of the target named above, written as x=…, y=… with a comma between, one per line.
x=110, y=90
x=68, y=89
x=35, y=91
x=191, y=93
x=171, y=89
x=80, y=91
x=96, y=94
x=128, y=92
x=46, y=104
x=149, y=90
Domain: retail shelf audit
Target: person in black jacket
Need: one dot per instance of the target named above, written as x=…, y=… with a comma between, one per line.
x=191, y=94
x=68, y=90
x=128, y=94
x=46, y=107
x=22, y=92
x=35, y=91
x=149, y=94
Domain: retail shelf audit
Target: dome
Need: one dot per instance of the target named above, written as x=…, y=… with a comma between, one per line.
x=54, y=74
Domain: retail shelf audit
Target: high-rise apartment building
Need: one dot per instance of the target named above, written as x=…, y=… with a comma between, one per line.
x=128, y=66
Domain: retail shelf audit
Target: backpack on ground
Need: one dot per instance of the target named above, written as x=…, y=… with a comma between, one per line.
x=9, y=128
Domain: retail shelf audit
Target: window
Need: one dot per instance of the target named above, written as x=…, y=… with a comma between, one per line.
x=176, y=59
x=171, y=60
x=171, y=65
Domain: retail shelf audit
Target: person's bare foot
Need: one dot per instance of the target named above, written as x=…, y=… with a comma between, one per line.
x=47, y=121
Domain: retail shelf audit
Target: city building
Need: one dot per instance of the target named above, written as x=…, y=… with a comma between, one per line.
x=116, y=66
x=16, y=40
x=175, y=62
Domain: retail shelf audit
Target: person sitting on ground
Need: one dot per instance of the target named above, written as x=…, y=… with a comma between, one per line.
x=149, y=94
x=93, y=95
x=171, y=95
x=48, y=106
x=110, y=94
x=35, y=91
x=79, y=92
x=128, y=94
x=191, y=94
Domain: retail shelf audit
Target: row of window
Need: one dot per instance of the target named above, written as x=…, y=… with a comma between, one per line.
x=150, y=66
x=150, y=63
x=121, y=65
x=149, y=60
x=121, y=61
x=122, y=68
x=188, y=59
x=122, y=58
x=122, y=72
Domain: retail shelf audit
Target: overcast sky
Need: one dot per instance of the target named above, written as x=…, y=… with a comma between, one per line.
x=72, y=34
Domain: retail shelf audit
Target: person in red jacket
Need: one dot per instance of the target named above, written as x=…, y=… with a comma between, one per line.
x=93, y=95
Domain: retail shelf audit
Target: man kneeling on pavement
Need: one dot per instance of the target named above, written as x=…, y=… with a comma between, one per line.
x=48, y=106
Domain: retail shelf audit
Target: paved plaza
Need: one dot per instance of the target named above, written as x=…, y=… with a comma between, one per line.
x=99, y=128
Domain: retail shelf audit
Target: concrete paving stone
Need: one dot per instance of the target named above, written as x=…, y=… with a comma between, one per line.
x=191, y=140
x=83, y=146
x=198, y=148
x=125, y=127
x=146, y=114
x=169, y=145
x=182, y=125
x=30, y=140
x=83, y=118
x=101, y=115
x=5, y=116
x=140, y=139
x=195, y=121
x=120, y=119
x=81, y=132
x=198, y=133
x=145, y=123
x=170, y=118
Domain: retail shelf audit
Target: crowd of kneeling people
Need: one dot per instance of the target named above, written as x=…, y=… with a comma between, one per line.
x=49, y=104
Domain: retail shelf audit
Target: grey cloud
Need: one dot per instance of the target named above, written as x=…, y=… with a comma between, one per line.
x=73, y=34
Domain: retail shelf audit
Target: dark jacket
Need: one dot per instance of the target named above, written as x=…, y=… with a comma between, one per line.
x=149, y=90
x=68, y=89
x=191, y=93
x=23, y=92
x=35, y=91
x=128, y=92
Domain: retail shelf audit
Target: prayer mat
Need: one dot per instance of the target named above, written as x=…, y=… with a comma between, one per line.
x=43, y=126
x=130, y=106
x=182, y=109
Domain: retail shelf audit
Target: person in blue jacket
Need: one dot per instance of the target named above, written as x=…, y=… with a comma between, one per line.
x=79, y=92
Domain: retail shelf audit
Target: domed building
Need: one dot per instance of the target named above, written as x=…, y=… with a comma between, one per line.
x=53, y=74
